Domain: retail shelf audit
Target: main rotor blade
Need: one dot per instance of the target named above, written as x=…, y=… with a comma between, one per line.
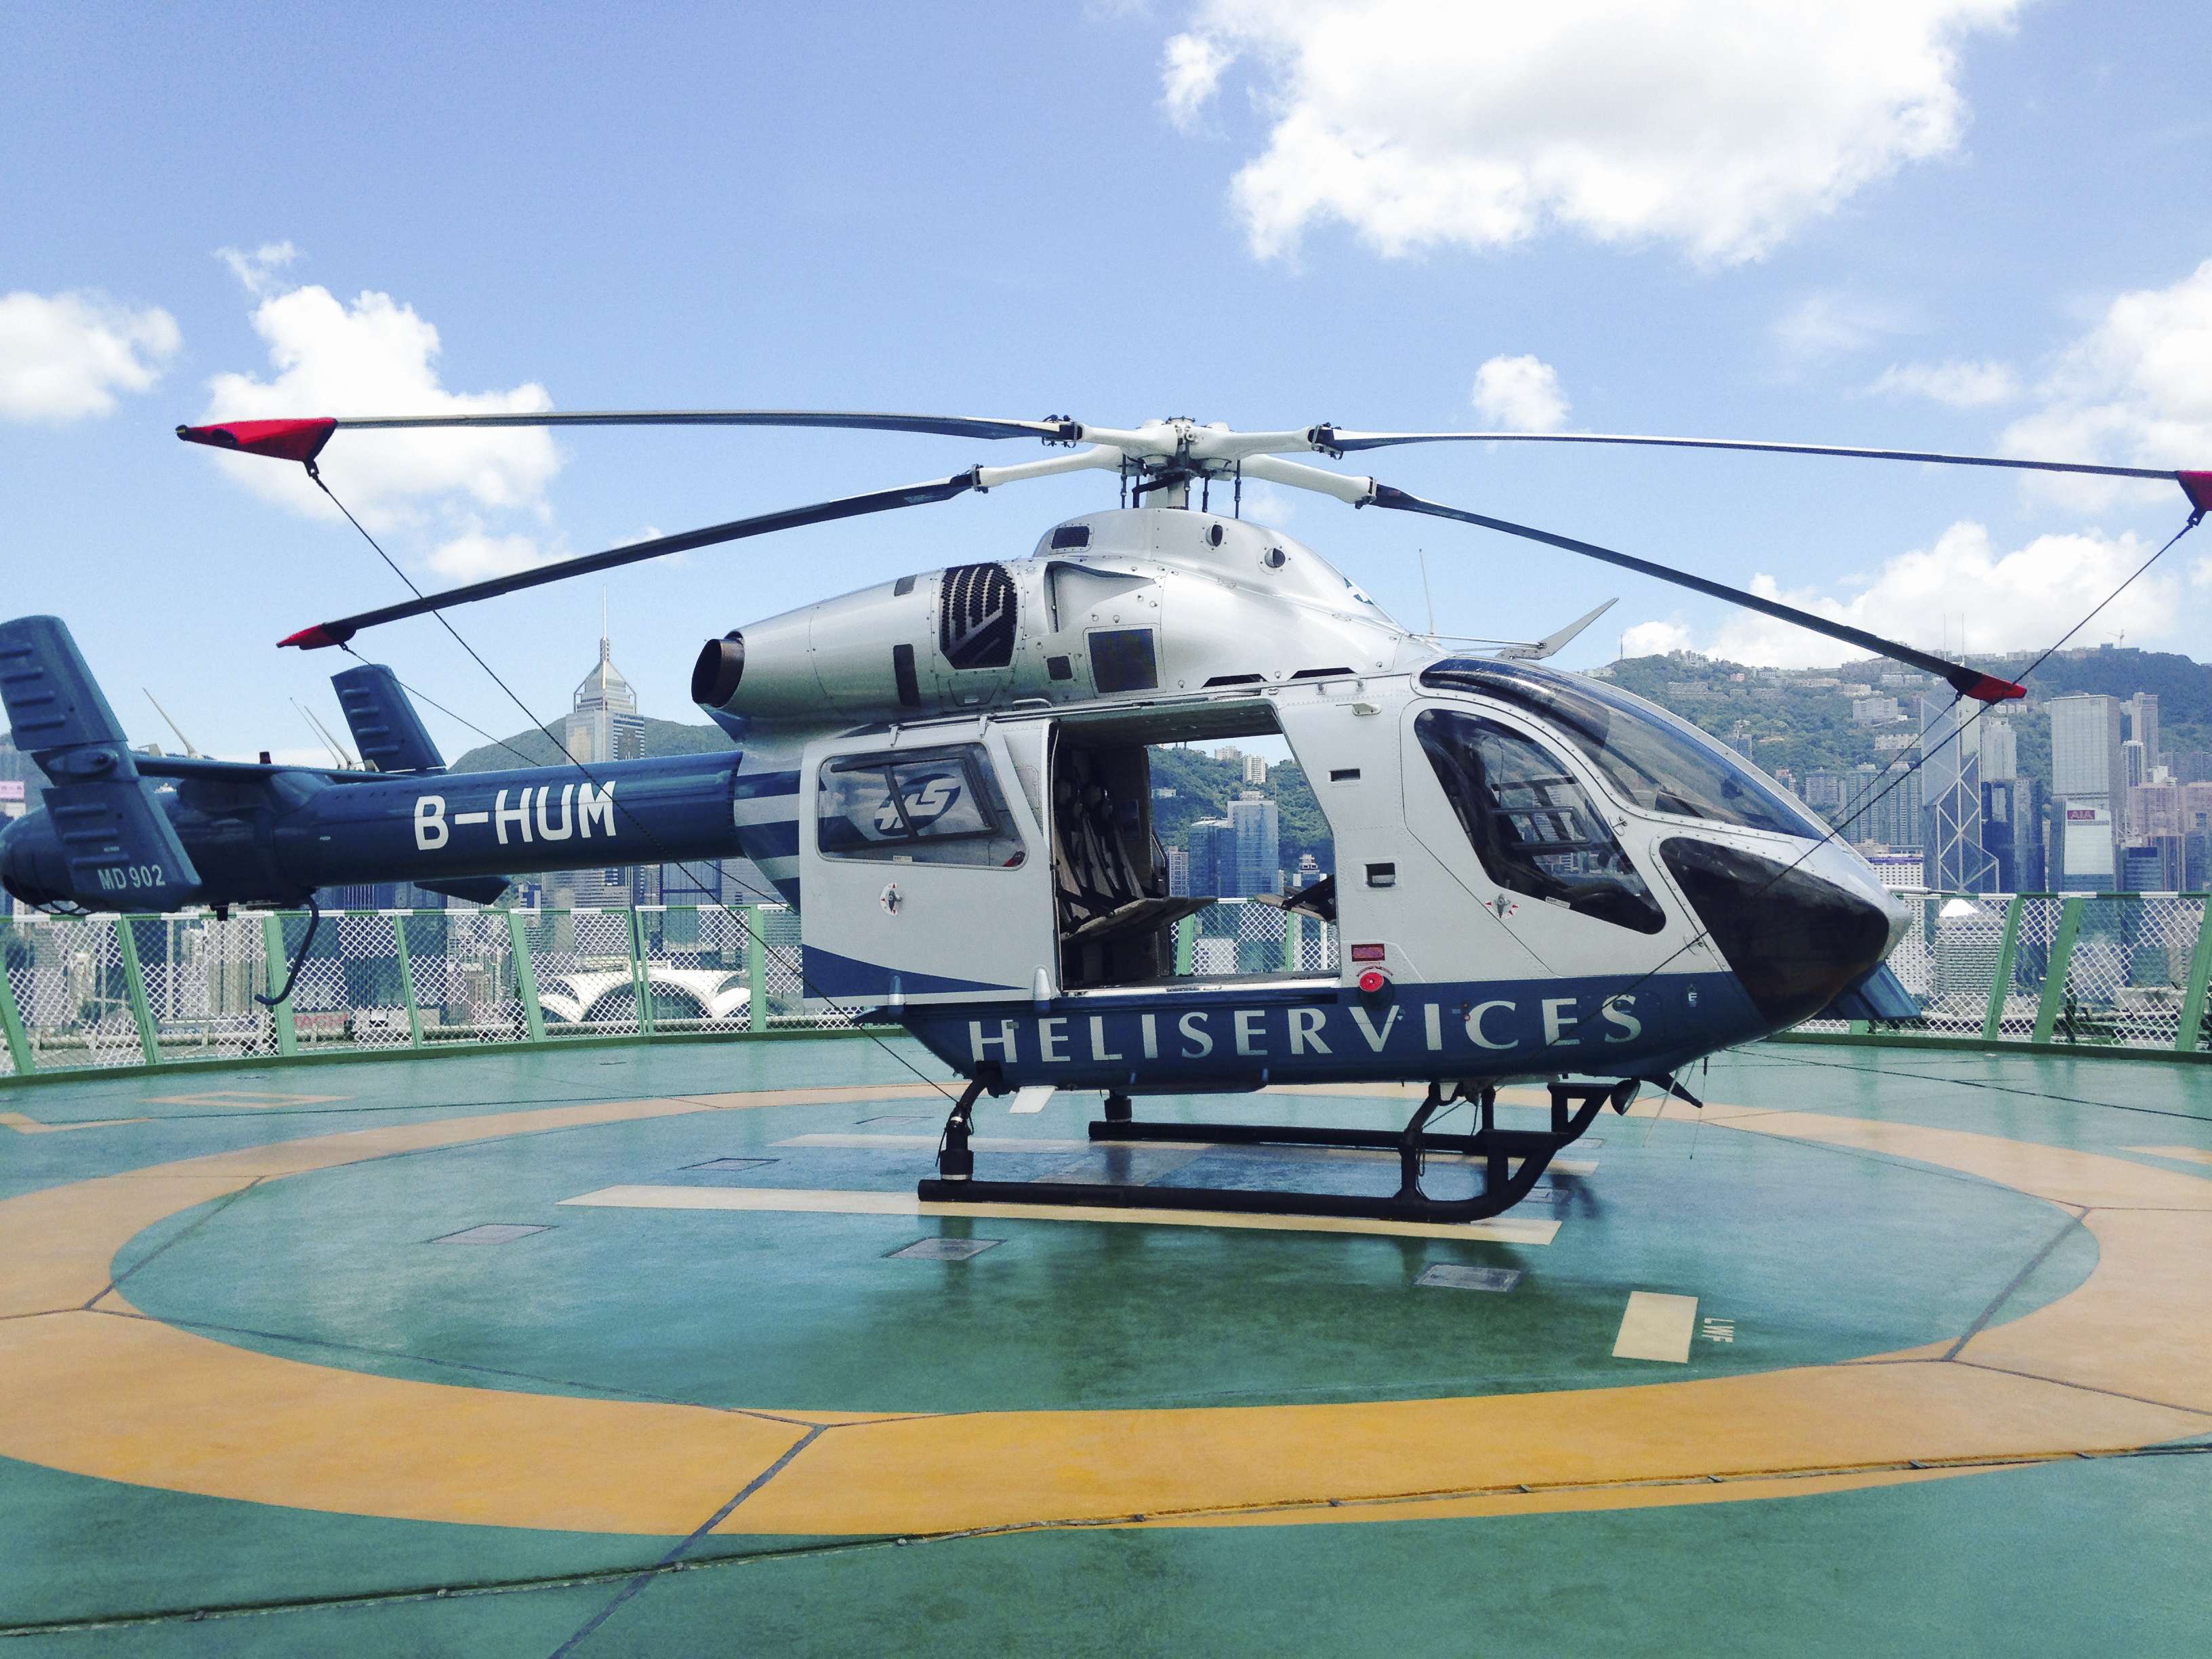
x=339, y=631
x=2197, y=486
x=1969, y=682
x=286, y=440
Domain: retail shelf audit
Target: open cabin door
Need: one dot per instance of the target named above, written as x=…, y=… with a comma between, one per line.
x=924, y=872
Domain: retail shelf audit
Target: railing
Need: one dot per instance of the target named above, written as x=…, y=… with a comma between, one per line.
x=2108, y=971
x=86, y=992
x=2086, y=971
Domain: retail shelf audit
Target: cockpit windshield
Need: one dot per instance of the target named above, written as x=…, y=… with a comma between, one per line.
x=1656, y=761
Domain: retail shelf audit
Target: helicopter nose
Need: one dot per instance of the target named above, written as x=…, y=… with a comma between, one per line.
x=1794, y=940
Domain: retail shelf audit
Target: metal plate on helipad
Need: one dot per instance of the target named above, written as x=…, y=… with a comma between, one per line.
x=491, y=1232
x=1451, y=1276
x=944, y=1249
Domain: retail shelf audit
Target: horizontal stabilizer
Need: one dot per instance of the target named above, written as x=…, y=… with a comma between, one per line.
x=105, y=840
x=51, y=700
x=386, y=728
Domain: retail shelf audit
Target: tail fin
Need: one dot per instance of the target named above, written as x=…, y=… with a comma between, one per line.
x=386, y=727
x=109, y=844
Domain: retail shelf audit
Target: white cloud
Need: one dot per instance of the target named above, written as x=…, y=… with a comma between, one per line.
x=1480, y=122
x=64, y=357
x=1825, y=325
x=1520, y=394
x=1191, y=71
x=257, y=270
x=2019, y=600
x=1959, y=384
x=378, y=357
x=2136, y=390
x=476, y=554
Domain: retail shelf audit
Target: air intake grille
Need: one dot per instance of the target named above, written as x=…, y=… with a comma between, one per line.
x=975, y=620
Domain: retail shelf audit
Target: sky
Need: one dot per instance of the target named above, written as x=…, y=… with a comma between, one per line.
x=1974, y=225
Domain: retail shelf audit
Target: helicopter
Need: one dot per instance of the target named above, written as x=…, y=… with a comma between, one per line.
x=1539, y=877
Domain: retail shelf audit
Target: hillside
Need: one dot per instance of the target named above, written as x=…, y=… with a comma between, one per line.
x=543, y=748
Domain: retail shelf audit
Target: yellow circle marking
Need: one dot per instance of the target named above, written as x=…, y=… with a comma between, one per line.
x=2123, y=1361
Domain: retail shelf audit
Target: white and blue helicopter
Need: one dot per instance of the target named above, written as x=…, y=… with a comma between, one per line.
x=1538, y=876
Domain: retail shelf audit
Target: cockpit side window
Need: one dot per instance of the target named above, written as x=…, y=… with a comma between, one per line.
x=1534, y=828
x=931, y=806
x=1657, y=761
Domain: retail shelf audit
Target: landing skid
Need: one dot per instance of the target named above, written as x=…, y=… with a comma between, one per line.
x=1513, y=1160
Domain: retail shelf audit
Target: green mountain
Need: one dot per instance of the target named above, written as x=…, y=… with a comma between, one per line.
x=543, y=748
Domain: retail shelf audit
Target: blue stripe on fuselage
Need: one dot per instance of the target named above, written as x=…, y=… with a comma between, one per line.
x=1228, y=1038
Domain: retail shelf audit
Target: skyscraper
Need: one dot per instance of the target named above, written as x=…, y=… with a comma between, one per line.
x=1953, y=860
x=604, y=725
x=1212, y=846
x=2085, y=749
x=2142, y=727
x=1257, y=830
x=2000, y=746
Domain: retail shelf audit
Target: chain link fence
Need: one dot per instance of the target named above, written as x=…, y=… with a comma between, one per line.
x=2124, y=971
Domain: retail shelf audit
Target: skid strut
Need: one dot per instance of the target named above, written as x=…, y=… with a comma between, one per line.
x=1513, y=1160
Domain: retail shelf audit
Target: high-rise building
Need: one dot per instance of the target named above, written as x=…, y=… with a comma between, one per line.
x=2084, y=851
x=1951, y=768
x=1885, y=808
x=2085, y=749
x=1256, y=826
x=1824, y=791
x=2135, y=765
x=1255, y=768
x=1211, y=845
x=2011, y=833
x=2000, y=746
x=2153, y=809
x=2194, y=766
x=1178, y=871
x=604, y=725
x=2142, y=727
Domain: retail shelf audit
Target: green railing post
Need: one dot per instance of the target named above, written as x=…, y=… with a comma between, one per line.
x=134, y=983
x=756, y=971
x=2001, y=988
x=11, y=1022
x=274, y=956
x=407, y=978
x=525, y=978
x=2054, y=979
x=1293, y=925
x=2193, y=1002
x=640, y=977
x=1186, y=937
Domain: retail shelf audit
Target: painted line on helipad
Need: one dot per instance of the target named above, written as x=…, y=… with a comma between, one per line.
x=2123, y=1362
x=1656, y=1326
x=1498, y=1230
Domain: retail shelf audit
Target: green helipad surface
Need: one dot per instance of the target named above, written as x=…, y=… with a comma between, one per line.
x=265, y=1387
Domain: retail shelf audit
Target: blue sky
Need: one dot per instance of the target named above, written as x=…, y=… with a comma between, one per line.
x=1942, y=223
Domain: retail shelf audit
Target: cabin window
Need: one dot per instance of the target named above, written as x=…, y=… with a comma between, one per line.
x=1656, y=761
x=1533, y=827
x=923, y=806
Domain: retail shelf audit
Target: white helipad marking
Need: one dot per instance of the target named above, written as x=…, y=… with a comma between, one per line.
x=1656, y=1327
x=1571, y=1166
x=1032, y=1099
x=1499, y=1230
x=243, y=1098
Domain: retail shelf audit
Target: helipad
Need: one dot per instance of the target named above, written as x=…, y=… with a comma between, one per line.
x=628, y=1348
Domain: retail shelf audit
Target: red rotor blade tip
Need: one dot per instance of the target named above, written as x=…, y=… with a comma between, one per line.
x=1990, y=688
x=2197, y=486
x=283, y=440
x=316, y=638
